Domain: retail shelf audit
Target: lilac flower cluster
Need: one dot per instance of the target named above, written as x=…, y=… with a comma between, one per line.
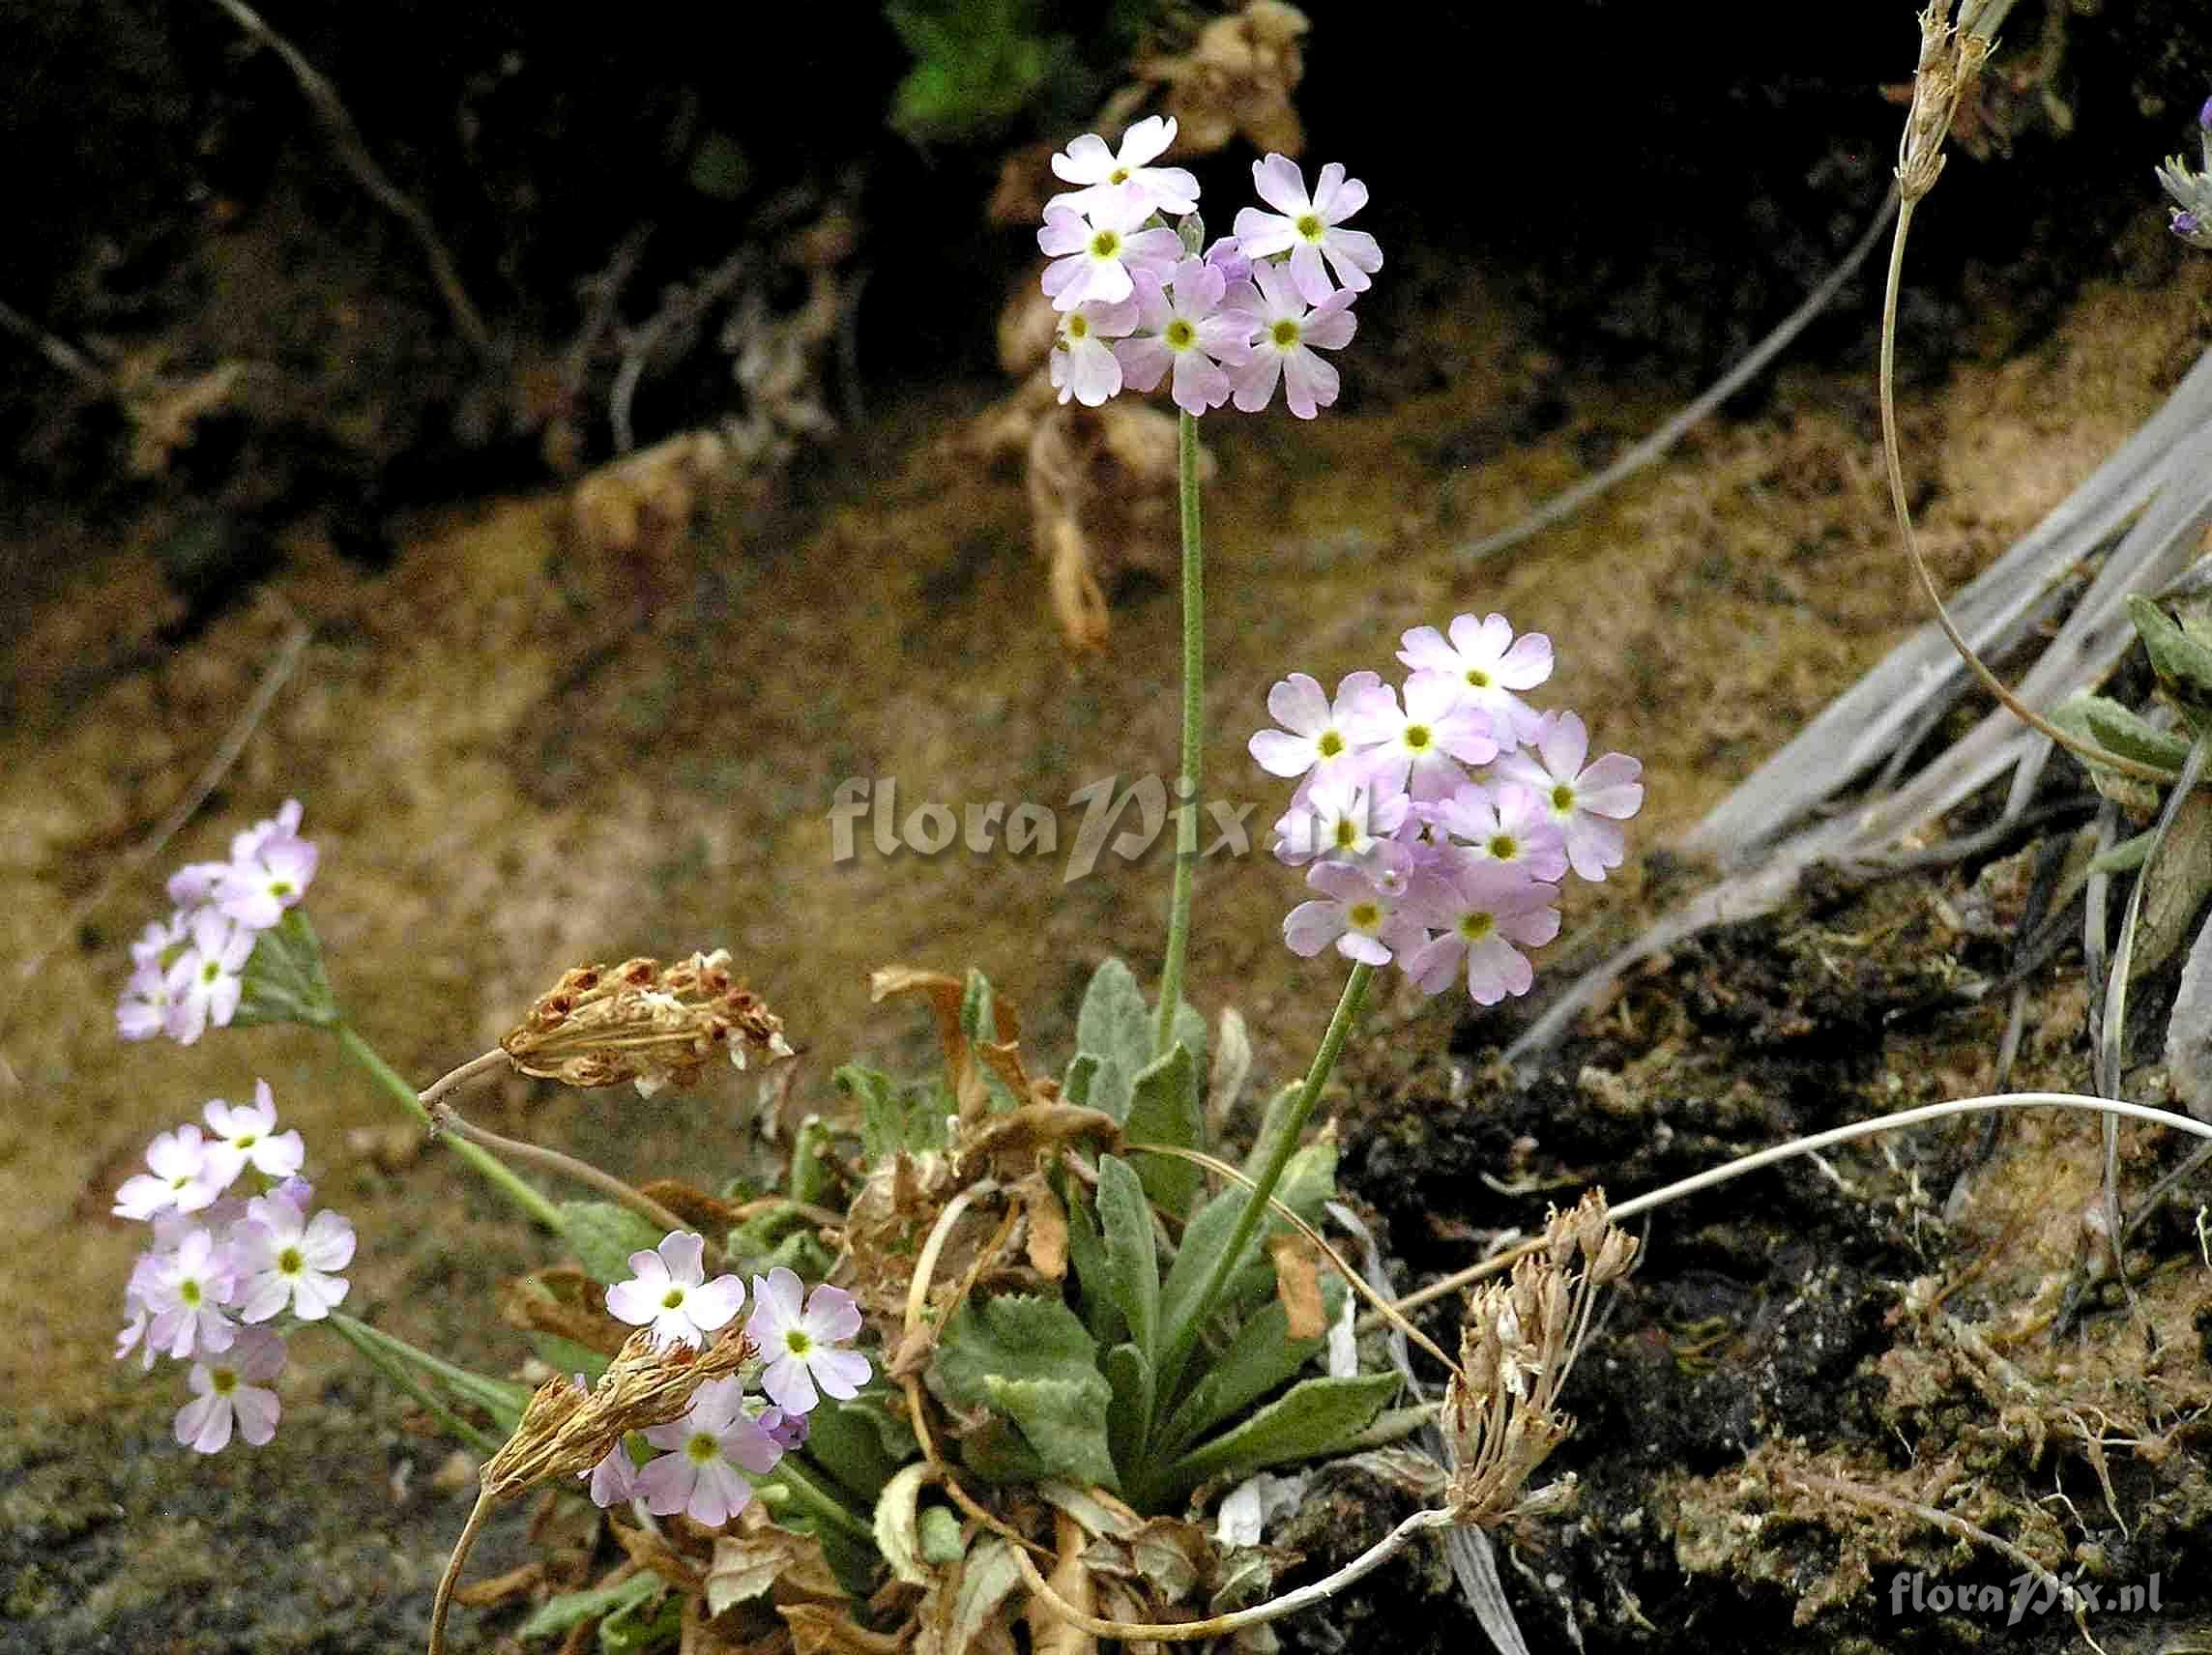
x=1436, y=825
x=2191, y=188
x=187, y=971
x=224, y=1266
x=705, y=1455
x=1136, y=305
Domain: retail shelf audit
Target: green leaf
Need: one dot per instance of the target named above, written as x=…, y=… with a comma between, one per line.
x=1190, y=1029
x=567, y=1357
x=1164, y=1108
x=1132, y=1255
x=1308, y=1183
x=2108, y=724
x=1315, y=1417
x=1114, y=1027
x=1204, y=1240
x=1129, y=1413
x=1094, y=1280
x=1081, y=1074
x=2127, y=856
x=603, y=1236
x=1261, y=1357
x=940, y=1541
x=813, y=1174
x=894, y=1116
x=978, y=1020
x=859, y=1443
x=557, y=1614
x=1029, y=1359
x=2183, y=664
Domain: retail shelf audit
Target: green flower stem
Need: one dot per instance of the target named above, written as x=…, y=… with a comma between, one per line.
x=1279, y=1154
x=1193, y=736
x=380, y=1351
x=506, y=1182
x=819, y=1503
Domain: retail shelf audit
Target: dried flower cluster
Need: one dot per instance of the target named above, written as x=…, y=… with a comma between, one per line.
x=1517, y=1347
x=643, y=1022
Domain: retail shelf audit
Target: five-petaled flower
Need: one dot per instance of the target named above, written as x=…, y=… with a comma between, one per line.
x=233, y=1388
x=1283, y=347
x=1587, y=802
x=671, y=1293
x=707, y=1451
x=288, y=1260
x=1307, y=227
x=800, y=1344
x=1094, y=252
x=1125, y=178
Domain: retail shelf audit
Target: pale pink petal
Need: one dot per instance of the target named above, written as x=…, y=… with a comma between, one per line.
x=1312, y=926
x=1280, y=184
x=1087, y=160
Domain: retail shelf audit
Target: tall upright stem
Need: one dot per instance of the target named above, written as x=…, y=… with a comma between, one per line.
x=502, y=1178
x=1190, y=778
x=1279, y=1152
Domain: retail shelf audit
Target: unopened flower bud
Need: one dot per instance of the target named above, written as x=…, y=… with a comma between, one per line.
x=641, y=1022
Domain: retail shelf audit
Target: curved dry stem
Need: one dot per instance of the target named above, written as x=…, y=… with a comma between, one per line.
x=454, y=1079
x=446, y=1118
x=2086, y=752
x=442, y=1604
x=1213, y=1626
x=1818, y=1141
x=925, y=1265
x=1383, y=1308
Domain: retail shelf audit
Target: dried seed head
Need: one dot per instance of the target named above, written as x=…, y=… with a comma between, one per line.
x=645, y=1022
x=566, y=1430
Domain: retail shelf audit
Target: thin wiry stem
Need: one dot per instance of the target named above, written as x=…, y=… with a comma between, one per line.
x=1818, y=1141
x=447, y=1120
x=1192, y=773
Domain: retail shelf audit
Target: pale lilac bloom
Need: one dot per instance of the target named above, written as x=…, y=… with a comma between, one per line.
x=186, y=1291
x=1185, y=328
x=1505, y=824
x=1316, y=744
x=700, y=1474
x=1093, y=253
x=233, y=1388
x=158, y=939
x=799, y=1346
x=1084, y=365
x=285, y=1260
x=246, y=843
x=1228, y=256
x=1364, y=923
x=1420, y=747
x=1486, y=913
x=1585, y=801
x=1306, y=228
x=1125, y=176
x=614, y=1479
x=184, y=1177
x=1344, y=820
x=144, y=1008
x=787, y=1431
x=246, y=1136
x=1491, y=664
x=1284, y=345
x=671, y=1293
x=192, y=885
x=204, y=984
x=139, y=1310
x=255, y=889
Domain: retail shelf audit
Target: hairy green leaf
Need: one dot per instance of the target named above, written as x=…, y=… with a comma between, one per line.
x=603, y=1236
x=1315, y=1417
x=557, y=1614
x=1164, y=1108
x=1031, y=1360
x=1132, y=1255
x=1261, y=1357
x=1114, y=1027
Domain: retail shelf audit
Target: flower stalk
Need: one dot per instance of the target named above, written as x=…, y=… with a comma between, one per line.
x=1193, y=772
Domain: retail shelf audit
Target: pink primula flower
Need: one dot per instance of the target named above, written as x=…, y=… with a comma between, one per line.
x=186, y=1291
x=205, y=985
x=1505, y=824
x=233, y=1388
x=671, y=1293
x=800, y=1344
x=184, y=1177
x=1187, y=328
x=1084, y=364
x=708, y=1450
x=1490, y=664
x=1307, y=227
x=246, y=1136
x=1486, y=913
x=1283, y=346
x=1419, y=748
x=1585, y=801
x=1343, y=819
x=1124, y=178
x=1316, y=744
x=1094, y=253
x=1364, y=922
x=288, y=1260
